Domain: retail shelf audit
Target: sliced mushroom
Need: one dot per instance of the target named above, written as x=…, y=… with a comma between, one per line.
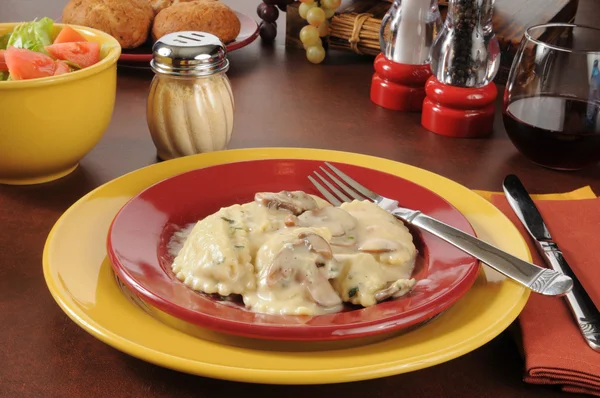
x=338, y=221
x=343, y=241
x=281, y=267
x=378, y=245
x=286, y=261
x=386, y=293
x=317, y=244
x=301, y=260
x=321, y=291
x=297, y=201
x=395, y=289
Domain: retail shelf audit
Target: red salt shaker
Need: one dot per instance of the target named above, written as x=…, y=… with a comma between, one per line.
x=402, y=68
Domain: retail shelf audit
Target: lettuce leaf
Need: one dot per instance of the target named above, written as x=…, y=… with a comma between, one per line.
x=32, y=35
x=4, y=41
x=3, y=76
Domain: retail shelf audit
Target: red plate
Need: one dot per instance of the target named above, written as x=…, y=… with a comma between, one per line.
x=248, y=33
x=140, y=231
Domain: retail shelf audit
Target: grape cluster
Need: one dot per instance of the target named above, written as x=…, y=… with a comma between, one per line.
x=268, y=12
x=317, y=13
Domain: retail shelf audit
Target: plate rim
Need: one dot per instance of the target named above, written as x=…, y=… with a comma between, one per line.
x=269, y=376
x=293, y=332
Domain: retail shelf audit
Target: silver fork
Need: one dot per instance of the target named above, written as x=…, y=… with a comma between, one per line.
x=538, y=279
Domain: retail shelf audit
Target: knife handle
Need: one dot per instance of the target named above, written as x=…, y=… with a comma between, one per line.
x=581, y=305
x=540, y=280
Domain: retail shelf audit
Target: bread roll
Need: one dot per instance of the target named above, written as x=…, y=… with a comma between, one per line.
x=159, y=5
x=128, y=21
x=204, y=16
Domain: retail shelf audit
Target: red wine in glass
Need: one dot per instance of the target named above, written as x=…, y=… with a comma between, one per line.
x=557, y=132
x=552, y=99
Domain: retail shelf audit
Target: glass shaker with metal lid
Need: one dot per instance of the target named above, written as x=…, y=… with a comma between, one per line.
x=466, y=53
x=190, y=104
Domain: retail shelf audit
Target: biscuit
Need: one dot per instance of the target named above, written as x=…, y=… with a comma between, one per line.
x=203, y=16
x=127, y=21
x=159, y=5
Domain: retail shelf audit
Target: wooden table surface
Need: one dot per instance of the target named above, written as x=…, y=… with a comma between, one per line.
x=281, y=100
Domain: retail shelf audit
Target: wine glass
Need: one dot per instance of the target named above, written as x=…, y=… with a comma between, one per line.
x=552, y=97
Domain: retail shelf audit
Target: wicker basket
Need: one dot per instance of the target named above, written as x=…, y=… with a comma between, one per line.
x=356, y=27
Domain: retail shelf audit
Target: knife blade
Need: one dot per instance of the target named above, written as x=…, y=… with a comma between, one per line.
x=582, y=307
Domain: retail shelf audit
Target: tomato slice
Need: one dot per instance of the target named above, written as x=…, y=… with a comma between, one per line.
x=83, y=54
x=61, y=68
x=3, y=66
x=26, y=64
x=68, y=35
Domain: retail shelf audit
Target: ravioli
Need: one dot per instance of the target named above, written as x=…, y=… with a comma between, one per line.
x=381, y=234
x=292, y=253
x=365, y=281
x=215, y=257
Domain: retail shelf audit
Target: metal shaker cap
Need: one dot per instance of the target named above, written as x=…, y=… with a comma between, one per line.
x=189, y=53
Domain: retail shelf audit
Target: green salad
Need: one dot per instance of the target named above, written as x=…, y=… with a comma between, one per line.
x=30, y=52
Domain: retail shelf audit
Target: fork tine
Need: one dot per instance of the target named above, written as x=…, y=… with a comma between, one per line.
x=332, y=199
x=332, y=188
x=341, y=184
x=358, y=187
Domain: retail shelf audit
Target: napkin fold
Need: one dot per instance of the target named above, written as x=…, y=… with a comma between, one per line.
x=555, y=351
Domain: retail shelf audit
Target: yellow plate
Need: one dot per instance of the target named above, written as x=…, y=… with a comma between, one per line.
x=80, y=279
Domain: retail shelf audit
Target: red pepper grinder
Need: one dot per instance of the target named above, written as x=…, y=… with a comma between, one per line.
x=402, y=67
x=464, y=60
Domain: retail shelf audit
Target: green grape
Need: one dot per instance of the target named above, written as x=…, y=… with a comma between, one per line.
x=323, y=29
x=329, y=13
x=309, y=35
x=315, y=16
x=331, y=4
x=315, y=54
x=304, y=8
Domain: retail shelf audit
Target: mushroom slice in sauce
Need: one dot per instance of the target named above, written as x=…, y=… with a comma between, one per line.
x=297, y=261
x=296, y=201
x=317, y=244
x=321, y=290
x=346, y=241
x=282, y=266
x=378, y=246
x=395, y=289
x=338, y=221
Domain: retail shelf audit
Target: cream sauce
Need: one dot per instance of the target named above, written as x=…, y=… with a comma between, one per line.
x=293, y=253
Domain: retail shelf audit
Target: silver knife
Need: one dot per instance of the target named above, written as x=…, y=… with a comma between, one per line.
x=585, y=312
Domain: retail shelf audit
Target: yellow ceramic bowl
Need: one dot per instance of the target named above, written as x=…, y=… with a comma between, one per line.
x=48, y=125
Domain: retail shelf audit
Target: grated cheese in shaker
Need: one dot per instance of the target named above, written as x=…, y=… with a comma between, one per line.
x=190, y=104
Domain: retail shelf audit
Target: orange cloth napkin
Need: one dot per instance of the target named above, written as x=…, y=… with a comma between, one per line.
x=554, y=350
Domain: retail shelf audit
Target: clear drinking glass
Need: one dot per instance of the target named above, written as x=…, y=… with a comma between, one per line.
x=552, y=97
